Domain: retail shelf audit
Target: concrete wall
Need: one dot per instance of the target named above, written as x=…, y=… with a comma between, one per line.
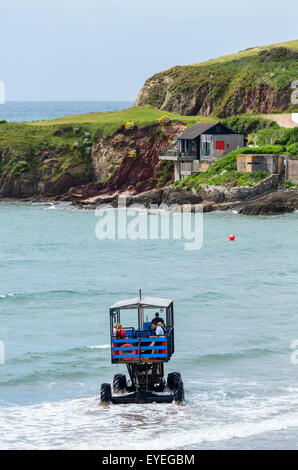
x=272, y=164
x=292, y=170
x=183, y=169
x=198, y=166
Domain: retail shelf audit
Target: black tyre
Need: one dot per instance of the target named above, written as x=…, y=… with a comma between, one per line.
x=105, y=393
x=178, y=393
x=173, y=379
x=119, y=383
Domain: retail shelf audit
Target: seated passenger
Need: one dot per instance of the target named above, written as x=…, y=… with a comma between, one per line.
x=157, y=319
x=120, y=333
x=157, y=331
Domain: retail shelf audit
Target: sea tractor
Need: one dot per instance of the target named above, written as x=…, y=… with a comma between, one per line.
x=143, y=353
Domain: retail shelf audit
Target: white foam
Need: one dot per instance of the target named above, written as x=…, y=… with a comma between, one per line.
x=84, y=424
x=3, y=296
x=100, y=346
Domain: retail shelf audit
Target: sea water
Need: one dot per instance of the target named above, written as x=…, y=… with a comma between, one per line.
x=235, y=322
x=21, y=111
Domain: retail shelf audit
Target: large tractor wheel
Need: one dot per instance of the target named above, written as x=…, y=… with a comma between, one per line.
x=173, y=379
x=105, y=393
x=178, y=393
x=119, y=383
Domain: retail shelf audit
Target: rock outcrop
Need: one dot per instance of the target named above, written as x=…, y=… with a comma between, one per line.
x=250, y=202
x=103, y=165
x=278, y=202
x=166, y=197
x=117, y=170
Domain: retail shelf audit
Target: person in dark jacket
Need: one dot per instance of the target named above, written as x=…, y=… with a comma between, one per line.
x=158, y=319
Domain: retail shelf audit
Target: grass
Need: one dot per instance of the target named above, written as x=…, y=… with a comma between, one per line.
x=67, y=141
x=218, y=82
x=27, y=150
x=247, y=124
x=110, y=122
x=224, y=171
x=287, y=138
x=54, y=147
x=290, y=185
x=250, y=52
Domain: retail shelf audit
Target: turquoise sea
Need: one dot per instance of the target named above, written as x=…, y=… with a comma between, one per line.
x=235, y=319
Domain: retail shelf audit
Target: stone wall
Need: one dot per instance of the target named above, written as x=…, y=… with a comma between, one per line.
x=223, y=194
x=292, y=170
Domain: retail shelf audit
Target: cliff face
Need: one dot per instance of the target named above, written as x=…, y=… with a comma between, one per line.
x=117, y=170
x=104, y=164
x=258, y=80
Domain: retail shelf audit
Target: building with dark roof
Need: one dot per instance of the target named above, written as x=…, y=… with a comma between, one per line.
x=204, y=142
x=209, y=139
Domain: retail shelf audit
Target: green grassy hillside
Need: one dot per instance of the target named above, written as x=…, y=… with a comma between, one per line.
x=224, y=171
x=142, y=116
x=250, y=52
x=256, y=80
x=75, y=134
x=57, y=154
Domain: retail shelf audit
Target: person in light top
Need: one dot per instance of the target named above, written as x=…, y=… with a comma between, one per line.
x=157, y=331
x=158, y=327
x=115, y=328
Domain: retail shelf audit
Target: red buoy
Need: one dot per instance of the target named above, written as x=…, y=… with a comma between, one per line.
x=232, y=237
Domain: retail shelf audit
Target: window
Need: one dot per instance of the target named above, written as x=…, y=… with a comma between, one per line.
x=205, y=149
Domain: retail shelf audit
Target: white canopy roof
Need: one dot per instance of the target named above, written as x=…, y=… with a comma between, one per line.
x=146, y=302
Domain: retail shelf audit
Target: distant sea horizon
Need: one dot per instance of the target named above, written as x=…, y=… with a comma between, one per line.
x=26, y=111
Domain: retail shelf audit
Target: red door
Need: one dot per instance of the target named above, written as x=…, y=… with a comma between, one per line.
x=220, y=145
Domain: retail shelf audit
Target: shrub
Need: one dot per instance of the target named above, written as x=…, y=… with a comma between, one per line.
x=266, y=149
x=290, y=185
x=289, y=136
x=276, y=54
x=248, y=124
x=224, y=171
x=293, y=149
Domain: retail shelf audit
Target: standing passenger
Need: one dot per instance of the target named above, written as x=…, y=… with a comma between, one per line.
x=115, y=328
x=157, y=319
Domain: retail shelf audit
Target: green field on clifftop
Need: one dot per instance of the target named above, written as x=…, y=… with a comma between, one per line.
x=56, y=146
x=72, y=133
x=63, y=146
x=111, y=121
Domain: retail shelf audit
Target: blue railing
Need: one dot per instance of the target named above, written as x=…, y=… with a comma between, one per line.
x=137, y=348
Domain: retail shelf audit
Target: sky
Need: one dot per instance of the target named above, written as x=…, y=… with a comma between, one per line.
x=106, y=49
